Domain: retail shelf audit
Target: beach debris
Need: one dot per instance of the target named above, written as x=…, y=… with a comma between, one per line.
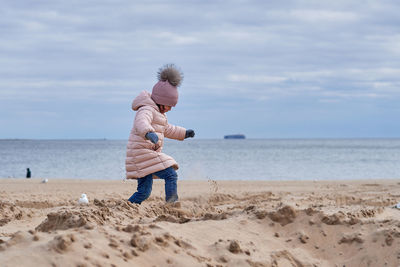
x=140, y=242
x=234, y=247
x=83, y=200
x=303, y=237
x=45, y=181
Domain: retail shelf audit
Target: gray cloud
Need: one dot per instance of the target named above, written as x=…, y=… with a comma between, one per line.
x=246, y=52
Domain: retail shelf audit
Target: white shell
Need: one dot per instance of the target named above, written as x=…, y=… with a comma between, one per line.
x=83, y=199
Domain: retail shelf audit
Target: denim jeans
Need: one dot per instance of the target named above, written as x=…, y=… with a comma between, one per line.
x=145, y=185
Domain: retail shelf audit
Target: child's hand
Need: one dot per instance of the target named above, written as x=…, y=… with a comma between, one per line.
x=189, y=133
x=152, y=137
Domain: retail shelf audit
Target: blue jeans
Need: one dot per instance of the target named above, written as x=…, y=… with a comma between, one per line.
x=145, y=185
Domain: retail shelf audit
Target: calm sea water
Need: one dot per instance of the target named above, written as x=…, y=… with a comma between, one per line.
x=250, y=159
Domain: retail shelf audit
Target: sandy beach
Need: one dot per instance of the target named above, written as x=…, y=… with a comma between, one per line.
x=215, y=223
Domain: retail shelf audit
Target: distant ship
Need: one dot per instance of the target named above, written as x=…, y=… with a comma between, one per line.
x=235, y=136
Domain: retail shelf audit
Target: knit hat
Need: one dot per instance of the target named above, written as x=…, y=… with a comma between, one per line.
x=165, y=92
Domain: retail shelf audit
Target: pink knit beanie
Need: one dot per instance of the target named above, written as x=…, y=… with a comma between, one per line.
x=165, y=92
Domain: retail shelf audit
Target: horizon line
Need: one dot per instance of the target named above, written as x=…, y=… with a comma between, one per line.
x=209, y=138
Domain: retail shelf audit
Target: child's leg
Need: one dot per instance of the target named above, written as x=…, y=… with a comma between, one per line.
x=170, y=176
x=144, y=187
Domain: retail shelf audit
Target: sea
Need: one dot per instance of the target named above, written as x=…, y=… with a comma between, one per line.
x=209, y=159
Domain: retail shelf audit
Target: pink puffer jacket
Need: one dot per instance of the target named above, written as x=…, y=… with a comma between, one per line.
x=142, y=156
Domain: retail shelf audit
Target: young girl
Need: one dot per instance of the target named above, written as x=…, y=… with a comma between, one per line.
x=144, y=159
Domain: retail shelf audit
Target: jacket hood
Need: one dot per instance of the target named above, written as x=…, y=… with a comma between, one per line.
x=143, y=99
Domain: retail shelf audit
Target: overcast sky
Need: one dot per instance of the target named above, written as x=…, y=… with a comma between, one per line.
x=267, y=69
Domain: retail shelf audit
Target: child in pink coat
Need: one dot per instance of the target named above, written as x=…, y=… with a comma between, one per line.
x=144, y=159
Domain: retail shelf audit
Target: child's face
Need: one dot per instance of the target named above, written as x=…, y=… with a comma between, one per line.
x=165, y=109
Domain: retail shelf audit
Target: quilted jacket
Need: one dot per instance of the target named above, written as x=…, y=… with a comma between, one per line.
x=142, y=156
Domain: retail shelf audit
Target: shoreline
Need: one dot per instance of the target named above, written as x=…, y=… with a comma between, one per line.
x=35, y=179
x=215, y=223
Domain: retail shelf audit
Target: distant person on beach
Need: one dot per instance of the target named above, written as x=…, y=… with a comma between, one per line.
x=28, y=173
x=144, y=159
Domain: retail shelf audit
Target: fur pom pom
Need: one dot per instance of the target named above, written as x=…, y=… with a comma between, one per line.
x=170, y=73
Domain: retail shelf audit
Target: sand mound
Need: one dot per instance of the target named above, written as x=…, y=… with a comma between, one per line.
x=66, y=219
x=238, y=224
x=18, y=238
x=37, y=204
x=9, y=212
x=61, y=221
x=62, y=243
x=284, y=215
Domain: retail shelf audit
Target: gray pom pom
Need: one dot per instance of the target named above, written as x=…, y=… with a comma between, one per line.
x=170, y=73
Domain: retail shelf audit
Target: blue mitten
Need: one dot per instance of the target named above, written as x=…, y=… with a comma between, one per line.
x=152, y=136
x=189, y=133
